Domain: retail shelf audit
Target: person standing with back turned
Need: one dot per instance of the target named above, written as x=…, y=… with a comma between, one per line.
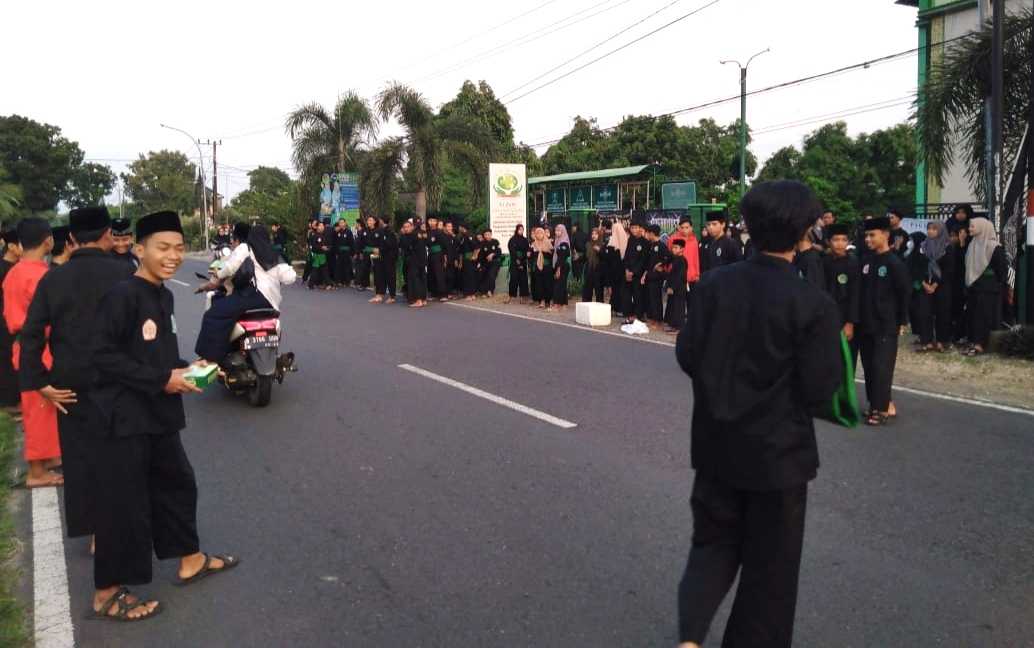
x=760, y=345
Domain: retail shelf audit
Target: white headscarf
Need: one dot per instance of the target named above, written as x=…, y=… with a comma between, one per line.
x=981, y=246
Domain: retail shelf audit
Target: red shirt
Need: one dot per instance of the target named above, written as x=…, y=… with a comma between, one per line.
x=691, y=251
x=19, y=287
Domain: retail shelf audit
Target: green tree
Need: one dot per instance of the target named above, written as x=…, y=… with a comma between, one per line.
x=949, y=110
x=10, y=197
x=38, y=159
x=163, y=180
x=330, y=140
x=89, y=184
x=269, y=197
x=784, y=164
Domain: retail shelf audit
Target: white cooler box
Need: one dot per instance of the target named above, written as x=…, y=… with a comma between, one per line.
x=592, y=314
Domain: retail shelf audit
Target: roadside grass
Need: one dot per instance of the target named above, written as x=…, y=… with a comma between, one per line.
x=13, y=628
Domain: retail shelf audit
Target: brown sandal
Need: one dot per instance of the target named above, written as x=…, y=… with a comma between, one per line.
x=124, y=608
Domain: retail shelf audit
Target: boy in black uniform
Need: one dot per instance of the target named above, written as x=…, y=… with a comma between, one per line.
x=809, y=263
x=436, y=261
x=886, y=289
x=318, y=249
x=389, y=258
x=635, y=268
x=898, y=235
x=66, y=301
x=143, y=477
x=122, y=235
x=344, y=244
x=372, y=251
x=656, y=272
x=753, y=439
x=675, y=310
x=843, y=281
x=279, y=238
x=452, y=257
x=469, y=279
x=491, y=257
x=719, y=250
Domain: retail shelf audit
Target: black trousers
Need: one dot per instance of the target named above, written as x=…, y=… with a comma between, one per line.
x=416, y=281
x=675, y=311
x=592, y=284
x=879, y=356
x=560, y=286
x=380, y=276
x=469, y=278
x=343, y=268
x=362, y=271
x=578, y=266
x=213, y=341
x=617, y=296
x=655, y=299
x=922, y=317
x=489, y=275
x=985, y=315
x=391, y=270
x=759, y=535
x=9, y=393
x=77, y=432
x=147, y=484
x=543, y=285
x=517, y=286
x=943, y=303
x=436, y=276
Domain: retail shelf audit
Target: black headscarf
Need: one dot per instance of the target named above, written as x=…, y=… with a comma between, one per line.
x=262, y=248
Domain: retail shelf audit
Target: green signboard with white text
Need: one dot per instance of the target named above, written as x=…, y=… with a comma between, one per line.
x=581, y=198
x=678, y=195
x=556, y=201
x=605, y=197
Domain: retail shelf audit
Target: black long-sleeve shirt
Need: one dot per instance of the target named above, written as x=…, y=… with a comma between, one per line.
x=659, y=254
x=635, y=257
x=719, y=252
x=136, y=353
x=885, y=294
x=762, y=348
x=843, y=283
x=518, y=248
x=809, y=265
x=67, y=299
x=676, y=279
x=995, y=276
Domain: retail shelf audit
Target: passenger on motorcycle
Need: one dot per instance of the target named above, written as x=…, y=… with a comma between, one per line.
x=253, y=274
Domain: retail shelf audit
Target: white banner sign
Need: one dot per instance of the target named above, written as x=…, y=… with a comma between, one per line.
x=507, y=200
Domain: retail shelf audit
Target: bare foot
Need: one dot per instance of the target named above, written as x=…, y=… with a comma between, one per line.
x=47, y=480
x=391, y=300
x=376, y=300
x=137, y=609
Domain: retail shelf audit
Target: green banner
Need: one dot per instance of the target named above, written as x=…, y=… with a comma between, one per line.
x=556, y=201
x=678, y=195
x=605, y=197
x=581, y=198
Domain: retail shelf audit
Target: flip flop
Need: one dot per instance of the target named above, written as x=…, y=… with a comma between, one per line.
x=229, y=562
x=124, y=608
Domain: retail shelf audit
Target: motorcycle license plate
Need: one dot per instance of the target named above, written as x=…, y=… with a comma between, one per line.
x=261, y=342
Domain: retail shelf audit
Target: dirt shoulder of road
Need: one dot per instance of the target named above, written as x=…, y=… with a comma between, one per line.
x=991, y=378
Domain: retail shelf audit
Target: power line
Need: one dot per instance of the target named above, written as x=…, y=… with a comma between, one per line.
x=526, y=39
x=786, y=84
x=614, y=51
x=583, y=53
x=846, y=112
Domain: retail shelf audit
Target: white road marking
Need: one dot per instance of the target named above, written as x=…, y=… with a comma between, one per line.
x=907, y=390
x=498, y=400
x=53, y=617
x=182, y=283
x=577, y=327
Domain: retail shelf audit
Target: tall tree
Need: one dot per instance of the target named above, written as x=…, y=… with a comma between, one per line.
x=10, y=196
x=269, y=180
x=949, y=110
x=420, y=145
x=330, y=140
x=162, y=180
x=89, y=184
x=39, y=160
x=269, y=197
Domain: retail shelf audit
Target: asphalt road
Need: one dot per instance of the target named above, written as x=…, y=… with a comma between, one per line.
x=375, y=507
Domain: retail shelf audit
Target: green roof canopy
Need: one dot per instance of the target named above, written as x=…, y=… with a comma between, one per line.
x=591, y=175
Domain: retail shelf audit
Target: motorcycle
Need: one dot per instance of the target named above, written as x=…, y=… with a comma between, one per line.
x=254, y=361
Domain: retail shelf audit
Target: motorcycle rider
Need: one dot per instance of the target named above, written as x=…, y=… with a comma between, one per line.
x=254, y=285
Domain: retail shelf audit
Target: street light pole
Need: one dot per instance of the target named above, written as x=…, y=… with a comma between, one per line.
x=201, y=170
x=743, y=117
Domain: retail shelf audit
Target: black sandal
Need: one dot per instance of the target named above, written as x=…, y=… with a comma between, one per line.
x=124, y=608
x=229, y=562
x=877, y=419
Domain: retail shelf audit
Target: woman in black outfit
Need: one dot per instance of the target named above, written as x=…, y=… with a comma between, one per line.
x=519, y=250
x=413, y=246
x=987, y=272
x=561, y=267
x=542, y=268
x=592, y=280
x=935, y=293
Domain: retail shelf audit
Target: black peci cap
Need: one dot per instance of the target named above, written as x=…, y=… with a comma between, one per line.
x=877, y=223
x=163, y=221
x=89, y=219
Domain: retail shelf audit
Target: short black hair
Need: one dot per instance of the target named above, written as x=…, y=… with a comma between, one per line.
x=678, y=243
x=33, y=232
x=89, y=236
x=778, y=213
x=894, y=211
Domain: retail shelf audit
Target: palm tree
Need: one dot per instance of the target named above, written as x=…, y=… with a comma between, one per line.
x=323, y=140
x=950, y=107
x=422, y=148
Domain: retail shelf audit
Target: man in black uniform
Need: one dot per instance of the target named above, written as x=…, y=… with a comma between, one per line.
x=66, y=301
x=437, y=247
x=452, y=257
x=372, y=247
x=122, y=235
x=279, y=237
x=760, y=346
x=579, y=241
x=886, y=289
x=491, y=256
x=143, y=476
x=10, y=396
x=658, y=258
x=634, y=264
x=318, y=249
x=344, y=246
x=809, y=263
x=719, y=250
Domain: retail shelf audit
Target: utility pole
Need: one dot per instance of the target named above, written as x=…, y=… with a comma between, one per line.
x=743, y=118
x=215, y=177
x=997, y=82
x=201, y=172
x=989, y=181
x=1030, y=187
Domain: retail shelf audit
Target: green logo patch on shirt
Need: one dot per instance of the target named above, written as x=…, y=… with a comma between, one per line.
x=882, y=271
x=842, y=279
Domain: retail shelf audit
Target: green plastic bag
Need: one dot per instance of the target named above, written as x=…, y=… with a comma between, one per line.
x=843, y=408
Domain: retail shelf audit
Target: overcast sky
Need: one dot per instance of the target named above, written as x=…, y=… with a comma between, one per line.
x=109, y=72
